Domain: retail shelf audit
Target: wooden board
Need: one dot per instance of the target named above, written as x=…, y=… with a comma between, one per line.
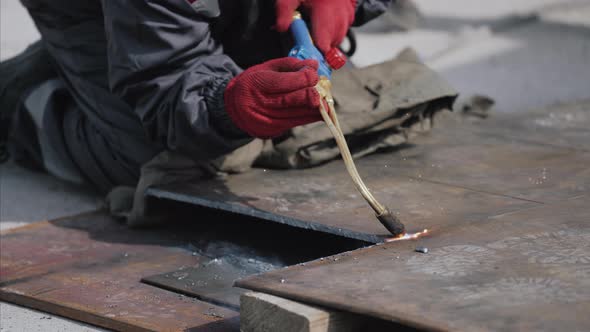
x=264, y=312
x=260, y=312
x=89, y=268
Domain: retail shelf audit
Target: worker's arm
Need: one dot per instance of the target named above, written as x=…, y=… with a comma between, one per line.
x=330, y=20
x=164, y=63
x=189, y=96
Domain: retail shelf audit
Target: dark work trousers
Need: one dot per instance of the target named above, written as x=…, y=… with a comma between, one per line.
x=87, y=132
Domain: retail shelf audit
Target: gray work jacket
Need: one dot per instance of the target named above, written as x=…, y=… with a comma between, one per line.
x=149, y=75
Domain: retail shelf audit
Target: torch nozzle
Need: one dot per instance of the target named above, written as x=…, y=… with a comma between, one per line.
x=391, y=223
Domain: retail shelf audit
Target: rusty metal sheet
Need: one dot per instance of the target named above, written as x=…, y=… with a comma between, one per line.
x=325, y=200
x=89, y=268
x=462, y=171
x=513, y=169
x=211, y=280
x=504, y=156
x=564, y=126
x=522, y=271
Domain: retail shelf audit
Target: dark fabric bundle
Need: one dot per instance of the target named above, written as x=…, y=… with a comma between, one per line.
x=380, y=106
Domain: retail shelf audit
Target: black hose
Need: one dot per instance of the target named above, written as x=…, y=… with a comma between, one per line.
x=352, y=44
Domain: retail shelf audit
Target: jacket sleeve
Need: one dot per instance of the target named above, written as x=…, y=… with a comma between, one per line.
x=367, y=10
x=164, y=63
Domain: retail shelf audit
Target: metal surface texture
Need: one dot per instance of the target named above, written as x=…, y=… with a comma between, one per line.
x=211, y=280
x=525, y=269
x=522, y=271
x=89, y=268
x=462, y=172
x=508, y=247
x=564, y=125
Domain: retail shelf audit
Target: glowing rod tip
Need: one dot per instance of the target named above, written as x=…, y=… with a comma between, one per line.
x=407, y=236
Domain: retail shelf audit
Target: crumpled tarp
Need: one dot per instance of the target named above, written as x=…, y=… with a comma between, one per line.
x=380, y=106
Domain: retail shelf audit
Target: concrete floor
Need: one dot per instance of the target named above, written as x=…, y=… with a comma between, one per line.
x=522, y=63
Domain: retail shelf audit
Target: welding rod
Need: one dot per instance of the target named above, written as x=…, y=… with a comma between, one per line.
x=384, y=215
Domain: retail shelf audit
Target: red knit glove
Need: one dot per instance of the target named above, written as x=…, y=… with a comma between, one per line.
x=330, y=19
x=268, y=99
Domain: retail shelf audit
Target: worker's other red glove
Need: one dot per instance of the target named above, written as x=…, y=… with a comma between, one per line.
x=268, y=99
x=330, y=19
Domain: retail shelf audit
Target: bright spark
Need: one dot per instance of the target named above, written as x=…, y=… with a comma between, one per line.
x=407, y=236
